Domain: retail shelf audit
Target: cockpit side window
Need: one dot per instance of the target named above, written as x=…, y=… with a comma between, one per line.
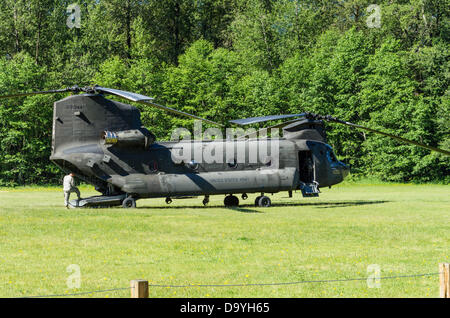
x=331, y=156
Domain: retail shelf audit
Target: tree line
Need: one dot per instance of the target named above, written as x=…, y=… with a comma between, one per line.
x=384, y=64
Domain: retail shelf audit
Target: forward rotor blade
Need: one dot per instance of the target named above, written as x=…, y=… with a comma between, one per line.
x=255, y=120
x=312, y=116
x=412, y=142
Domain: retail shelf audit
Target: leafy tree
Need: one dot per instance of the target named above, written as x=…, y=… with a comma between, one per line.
x=25, y=124
x=390, y=95
x=227, y=59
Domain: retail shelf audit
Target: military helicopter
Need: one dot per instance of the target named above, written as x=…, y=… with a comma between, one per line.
x=104, y=143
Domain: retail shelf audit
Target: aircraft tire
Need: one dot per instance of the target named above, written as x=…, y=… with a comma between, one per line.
x=231, y=201
x=129, y=203
x=264, y=202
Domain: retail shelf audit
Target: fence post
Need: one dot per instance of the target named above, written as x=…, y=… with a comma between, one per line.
x=444, y=278
x=139, y=288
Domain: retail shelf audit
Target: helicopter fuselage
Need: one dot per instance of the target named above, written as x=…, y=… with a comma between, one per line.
x=133, y=164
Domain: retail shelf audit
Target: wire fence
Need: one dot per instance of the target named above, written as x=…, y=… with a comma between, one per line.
x=79, y=294
x=239, y=285
x=294, y=283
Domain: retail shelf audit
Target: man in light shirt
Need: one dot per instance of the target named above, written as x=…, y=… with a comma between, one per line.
x=68, y=188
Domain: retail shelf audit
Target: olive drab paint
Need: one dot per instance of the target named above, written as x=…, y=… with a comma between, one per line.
x=104, y=143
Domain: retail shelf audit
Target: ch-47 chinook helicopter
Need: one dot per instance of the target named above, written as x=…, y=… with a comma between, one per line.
x=104, y=143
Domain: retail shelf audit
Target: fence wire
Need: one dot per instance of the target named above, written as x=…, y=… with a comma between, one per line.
x=79, y=294
x=294, y=283
x=239, y=285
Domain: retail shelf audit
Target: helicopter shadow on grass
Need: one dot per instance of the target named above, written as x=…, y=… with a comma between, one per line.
x=249, y=208
x=331, y=204
x=241, y=209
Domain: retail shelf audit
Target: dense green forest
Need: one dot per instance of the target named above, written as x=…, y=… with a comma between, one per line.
x=384, y=64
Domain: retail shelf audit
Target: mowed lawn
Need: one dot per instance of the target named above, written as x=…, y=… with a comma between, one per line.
x=404, y=229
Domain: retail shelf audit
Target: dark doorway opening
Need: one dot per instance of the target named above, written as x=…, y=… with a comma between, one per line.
x=306, y=166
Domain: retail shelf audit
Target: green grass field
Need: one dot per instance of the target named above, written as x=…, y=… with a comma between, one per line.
x=402, y=228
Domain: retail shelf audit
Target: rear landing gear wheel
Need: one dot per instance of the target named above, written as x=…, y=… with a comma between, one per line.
x=257, y=200
x=129, y=203
x=264, y=202
x=231, y=201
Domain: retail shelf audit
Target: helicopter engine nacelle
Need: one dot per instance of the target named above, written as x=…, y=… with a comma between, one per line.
x=136, y=138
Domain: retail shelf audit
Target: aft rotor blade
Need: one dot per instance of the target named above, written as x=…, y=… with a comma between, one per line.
x=412, y=142
x=95, y=89
x=134, y=97
x=255, y=120
x=55, y=91
x=142, y=99
x=179, y=112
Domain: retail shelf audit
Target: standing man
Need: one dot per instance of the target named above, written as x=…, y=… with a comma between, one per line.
x=69, y=187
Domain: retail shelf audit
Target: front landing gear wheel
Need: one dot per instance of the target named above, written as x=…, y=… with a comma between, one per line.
x=264, y=202
x=231, y=201
x=129, y=203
